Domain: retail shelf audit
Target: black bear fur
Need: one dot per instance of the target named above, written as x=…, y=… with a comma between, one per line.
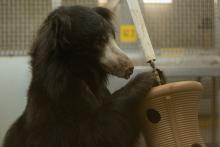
x=68, y=102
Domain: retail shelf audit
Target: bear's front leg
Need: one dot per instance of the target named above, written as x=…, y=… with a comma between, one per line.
x=128, y=97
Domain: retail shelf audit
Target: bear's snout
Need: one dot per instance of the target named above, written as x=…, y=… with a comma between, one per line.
x=129, y=72
x=116, y=62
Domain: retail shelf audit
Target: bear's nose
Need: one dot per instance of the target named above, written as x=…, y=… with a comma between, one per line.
x=129, y=72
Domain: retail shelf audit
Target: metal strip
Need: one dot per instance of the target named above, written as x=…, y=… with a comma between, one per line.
x=217, y=24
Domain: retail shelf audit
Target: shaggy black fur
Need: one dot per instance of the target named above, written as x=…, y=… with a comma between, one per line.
x=68, y=102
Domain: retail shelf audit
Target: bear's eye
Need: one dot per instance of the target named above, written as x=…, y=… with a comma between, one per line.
x=114, y=34
x=101, y=41
x=105, y=38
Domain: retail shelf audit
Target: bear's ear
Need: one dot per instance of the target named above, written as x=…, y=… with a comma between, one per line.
x=104, y=12
x=59, y=26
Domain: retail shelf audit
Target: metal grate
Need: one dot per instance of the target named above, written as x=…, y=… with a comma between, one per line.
x=184, y=27
x=19, y=20
x=180, y=32
x=88, y=3
x=181, y=24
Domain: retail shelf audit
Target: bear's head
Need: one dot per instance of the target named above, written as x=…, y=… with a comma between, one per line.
x=80, y=39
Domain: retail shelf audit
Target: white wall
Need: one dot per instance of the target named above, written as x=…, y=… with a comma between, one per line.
x=14, y=81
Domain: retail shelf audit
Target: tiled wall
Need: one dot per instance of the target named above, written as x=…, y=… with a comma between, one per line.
x=184, y=23
x=181, y=24
x=19, y=20
x=88, y=3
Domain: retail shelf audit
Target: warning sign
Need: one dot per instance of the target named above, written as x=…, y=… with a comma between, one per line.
x=128, y=34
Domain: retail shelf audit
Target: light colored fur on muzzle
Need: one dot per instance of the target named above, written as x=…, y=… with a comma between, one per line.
x=115, y=61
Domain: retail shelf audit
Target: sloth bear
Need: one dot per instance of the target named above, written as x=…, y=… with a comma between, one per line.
x=68, y=102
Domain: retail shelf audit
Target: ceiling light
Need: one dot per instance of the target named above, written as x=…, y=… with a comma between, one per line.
x=102, y=1
x=158, y=1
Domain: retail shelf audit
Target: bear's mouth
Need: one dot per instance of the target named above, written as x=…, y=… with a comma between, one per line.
x=126, y=74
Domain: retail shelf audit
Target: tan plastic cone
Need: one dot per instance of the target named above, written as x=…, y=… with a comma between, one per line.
x=169, y=115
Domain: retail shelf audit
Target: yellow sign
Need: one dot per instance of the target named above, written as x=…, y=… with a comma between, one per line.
x=128, y=34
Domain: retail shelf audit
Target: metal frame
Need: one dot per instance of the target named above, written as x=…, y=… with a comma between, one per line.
x=217, y=24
